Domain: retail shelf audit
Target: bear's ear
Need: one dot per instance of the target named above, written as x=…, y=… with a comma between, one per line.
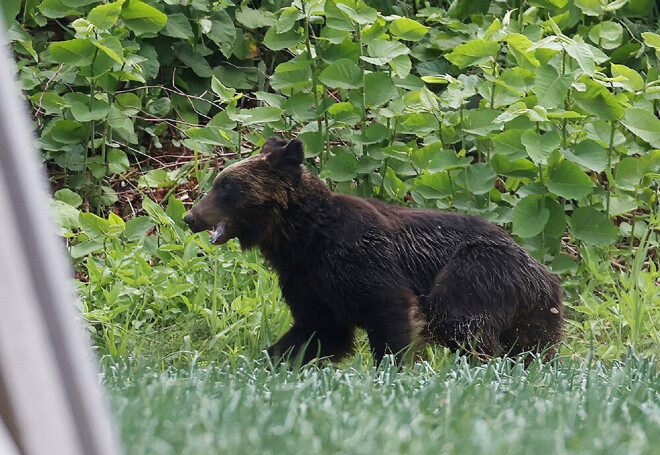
x=290, y=156
x=271, y=144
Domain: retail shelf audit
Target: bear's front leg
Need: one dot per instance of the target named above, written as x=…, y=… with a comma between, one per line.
x=307, y=343
x=390, y=325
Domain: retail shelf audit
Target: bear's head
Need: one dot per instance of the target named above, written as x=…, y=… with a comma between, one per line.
x=248, y=196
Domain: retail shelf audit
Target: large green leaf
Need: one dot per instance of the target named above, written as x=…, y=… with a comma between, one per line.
x=420, y=124
x=105, y=16
x=296, y=73
x=9, y=10
x=479, y=178
x=136, y=228
x=434, y=186
x=117, y=161
x=521, y=167
x=569, y=181
x=346, y=113
x=652, y=40
x=556, y=225
x=643, y=124
x=379, y=89
x=590, y=7
x=473, y=53
x=301, y=106
x=194, y=60
x=446, y=160
x=598, y=101
x=255, y=18
x=519, y=46
x=581, y=52
x=336, y=18
x=95, y=227
x=69, y=132
x=261, y=115
x=607, y=34
x=340, y=167
x=480, y=121
x=383, y=51
x=362, y=14
x=589, y=154
x=111, y=46
x=143, y=18
x=633, y=82
x=593, y=227
x=68, y=196
x=408, y=29
x=76, y=52
x=77, y=3
x=539, y=147
x=285, y=40
x=178, y=26
x=393, y=185
x=551, y=87
x=529, y=216
x=222, y=32
x=628, y=174
x=342, y=74
x=288, y=17
x=509, y=144
x=56, y=9
x=84, y=112
x=401, y=66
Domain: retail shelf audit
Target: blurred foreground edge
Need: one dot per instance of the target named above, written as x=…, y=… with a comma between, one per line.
x=51, y=401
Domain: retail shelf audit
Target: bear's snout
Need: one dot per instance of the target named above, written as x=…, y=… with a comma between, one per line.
x=189, y=219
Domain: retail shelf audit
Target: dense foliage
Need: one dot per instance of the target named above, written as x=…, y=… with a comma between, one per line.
x=540, y=115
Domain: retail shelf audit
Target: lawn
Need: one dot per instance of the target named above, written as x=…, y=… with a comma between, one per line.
x=575, y=406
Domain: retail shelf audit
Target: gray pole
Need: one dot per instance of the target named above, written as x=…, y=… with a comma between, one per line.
x=50, y=399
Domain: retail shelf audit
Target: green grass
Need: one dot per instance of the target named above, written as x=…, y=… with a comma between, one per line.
x=453, y=407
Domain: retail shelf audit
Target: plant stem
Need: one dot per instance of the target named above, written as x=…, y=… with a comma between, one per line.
x=542, y=202
x=362, y=89
x=467, y=190
x=312, y=66
x=492, y=93
x=90, y=143
x=451, y=186
x=240, y=139
x=609, y=167
x=327, y=135
x=383, y=171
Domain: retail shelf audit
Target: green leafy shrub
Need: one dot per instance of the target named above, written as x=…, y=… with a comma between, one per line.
x=522, y=118
x=156, y=286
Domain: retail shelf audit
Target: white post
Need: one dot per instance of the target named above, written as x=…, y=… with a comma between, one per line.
x=50, y=399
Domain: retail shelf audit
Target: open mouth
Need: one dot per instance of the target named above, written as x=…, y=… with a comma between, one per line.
x=219, y=235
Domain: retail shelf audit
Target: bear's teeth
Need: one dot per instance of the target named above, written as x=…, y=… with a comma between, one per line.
x=218, y=232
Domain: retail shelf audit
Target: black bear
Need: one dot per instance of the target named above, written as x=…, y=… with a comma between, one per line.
x=400, y=273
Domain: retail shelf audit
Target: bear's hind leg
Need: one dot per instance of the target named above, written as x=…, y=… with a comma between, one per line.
x=473, y=299
x=473, y=335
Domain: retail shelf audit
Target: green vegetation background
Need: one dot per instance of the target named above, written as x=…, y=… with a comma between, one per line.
x=539, y=115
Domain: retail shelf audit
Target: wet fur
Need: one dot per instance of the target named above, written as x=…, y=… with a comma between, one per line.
x=346, y=262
